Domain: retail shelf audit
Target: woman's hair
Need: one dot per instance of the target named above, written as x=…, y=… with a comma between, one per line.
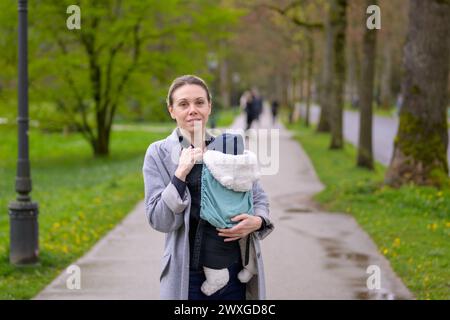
x=184, y=80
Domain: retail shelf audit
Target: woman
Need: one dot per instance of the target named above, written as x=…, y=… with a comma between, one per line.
x=172, y=172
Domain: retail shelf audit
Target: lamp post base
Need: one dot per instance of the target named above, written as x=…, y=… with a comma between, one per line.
x=24, y=233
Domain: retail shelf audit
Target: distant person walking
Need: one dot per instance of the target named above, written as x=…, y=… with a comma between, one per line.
x=250, y=110
x=257, y=104
x=275, y=106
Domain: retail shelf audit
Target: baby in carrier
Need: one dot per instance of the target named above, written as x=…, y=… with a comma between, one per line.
x=227, y=180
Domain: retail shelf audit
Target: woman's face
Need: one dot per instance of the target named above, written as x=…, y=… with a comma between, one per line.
x=190, y=106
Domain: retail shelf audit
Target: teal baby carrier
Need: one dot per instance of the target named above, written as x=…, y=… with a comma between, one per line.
x=222, y=175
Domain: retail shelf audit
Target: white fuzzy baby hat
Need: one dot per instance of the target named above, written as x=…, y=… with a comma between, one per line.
x=235, y=172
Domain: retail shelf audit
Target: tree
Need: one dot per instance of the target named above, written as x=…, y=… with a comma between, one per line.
x=299, y=13
x=420, y=147
x=365, y=153
x=87, y=73
x=391, y=40
x=327, y=76
x=338, y=24
x=309, y=77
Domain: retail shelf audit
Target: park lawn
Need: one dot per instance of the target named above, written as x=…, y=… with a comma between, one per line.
x=410, y=225
x=80, y=199
x=378, y=111
x=225, y=117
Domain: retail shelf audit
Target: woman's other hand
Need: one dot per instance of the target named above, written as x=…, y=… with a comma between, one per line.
x=248, y=224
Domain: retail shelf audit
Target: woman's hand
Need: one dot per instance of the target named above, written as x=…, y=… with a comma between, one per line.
x=248, y=224
x=188, y=158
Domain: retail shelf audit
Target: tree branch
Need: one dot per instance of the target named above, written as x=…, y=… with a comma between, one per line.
x=125, y=77
x=85, y=128
x=285, y=12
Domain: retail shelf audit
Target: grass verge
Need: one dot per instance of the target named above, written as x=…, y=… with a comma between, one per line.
x=225, y=117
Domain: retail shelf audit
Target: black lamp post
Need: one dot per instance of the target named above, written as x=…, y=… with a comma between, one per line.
x=23, y=213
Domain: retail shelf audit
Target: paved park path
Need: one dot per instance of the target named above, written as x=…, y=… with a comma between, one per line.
x=310, y=255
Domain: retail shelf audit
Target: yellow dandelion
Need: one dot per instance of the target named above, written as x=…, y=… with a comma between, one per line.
x=397, y=242
x=385, y=251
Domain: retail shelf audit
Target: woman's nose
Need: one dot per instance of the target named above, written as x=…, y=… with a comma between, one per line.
x=192, y=108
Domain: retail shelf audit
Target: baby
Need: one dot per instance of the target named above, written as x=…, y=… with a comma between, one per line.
x=227, y=181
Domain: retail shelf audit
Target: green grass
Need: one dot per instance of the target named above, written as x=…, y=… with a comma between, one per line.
x=383, y=112
x=80, y=199
x=225, y=117
x=410, y=225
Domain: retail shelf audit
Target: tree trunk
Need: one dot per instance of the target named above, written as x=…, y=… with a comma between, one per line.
x=301, y=82
x=355, y=73
x=101, y=143
x=309, y=77
x=420, y=149
x=365, y=154
x=338, y=24
x=324, y=123
x=386, y=79
x=101, y=146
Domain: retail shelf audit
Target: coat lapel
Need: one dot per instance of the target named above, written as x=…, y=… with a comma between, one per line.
x=172, y=148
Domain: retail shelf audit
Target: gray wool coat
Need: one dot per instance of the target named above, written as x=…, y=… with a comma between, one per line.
x=167, y=212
